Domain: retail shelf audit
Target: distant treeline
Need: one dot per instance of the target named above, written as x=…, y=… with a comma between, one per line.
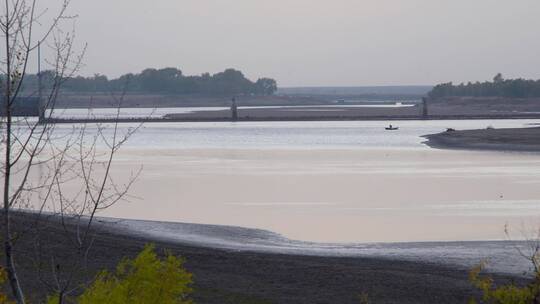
x=500, y=87
x=167, y=80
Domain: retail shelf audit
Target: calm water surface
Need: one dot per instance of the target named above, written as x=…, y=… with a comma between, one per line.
x=303, y=135
x=330, y=181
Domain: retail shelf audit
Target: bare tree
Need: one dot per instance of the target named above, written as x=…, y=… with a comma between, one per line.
x=78, y=183
x=51, y=173
x=528, y=247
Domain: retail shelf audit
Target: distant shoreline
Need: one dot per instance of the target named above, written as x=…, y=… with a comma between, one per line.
x=517, y=139
x=304, y=108
x=299, y=118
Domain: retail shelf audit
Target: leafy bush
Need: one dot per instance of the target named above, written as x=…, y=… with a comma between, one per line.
x=504, y=294
x=3, y=297
x=146, y=279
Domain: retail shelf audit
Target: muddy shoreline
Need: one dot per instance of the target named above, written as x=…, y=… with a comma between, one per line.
x=517, y=139
x=232, y=276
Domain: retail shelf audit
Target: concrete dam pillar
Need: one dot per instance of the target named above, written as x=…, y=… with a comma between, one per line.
x=425, y=112
x=234, y=110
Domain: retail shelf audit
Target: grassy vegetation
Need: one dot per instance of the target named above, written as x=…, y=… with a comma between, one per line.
x=145, y=279
x=504, y=294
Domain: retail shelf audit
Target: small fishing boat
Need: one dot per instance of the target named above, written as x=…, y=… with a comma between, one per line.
x=391, y=128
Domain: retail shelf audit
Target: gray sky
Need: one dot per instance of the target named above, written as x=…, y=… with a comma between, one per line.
x=316, y=42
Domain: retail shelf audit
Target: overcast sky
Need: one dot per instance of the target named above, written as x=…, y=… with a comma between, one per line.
x=315, y=42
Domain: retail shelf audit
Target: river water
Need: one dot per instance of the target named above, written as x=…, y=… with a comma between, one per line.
x=329, y=181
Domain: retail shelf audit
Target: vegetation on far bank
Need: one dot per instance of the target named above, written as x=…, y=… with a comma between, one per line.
x=167, y=80
x=499, y=87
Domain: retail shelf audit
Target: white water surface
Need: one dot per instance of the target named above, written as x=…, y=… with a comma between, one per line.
x=330, y=181
x=284, y=135
x=341, y=188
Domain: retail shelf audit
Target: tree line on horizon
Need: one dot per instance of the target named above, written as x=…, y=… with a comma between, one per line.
x=166, y=80
x=499, y=87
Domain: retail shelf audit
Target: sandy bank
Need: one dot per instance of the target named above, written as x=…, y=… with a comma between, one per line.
x=522, y=139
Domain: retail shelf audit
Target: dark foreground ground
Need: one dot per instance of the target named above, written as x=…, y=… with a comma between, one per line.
x=245, y=277
x=522, y=139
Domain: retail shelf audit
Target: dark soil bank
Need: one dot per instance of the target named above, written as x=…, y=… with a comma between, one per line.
x=244, y=277
x=523, y=139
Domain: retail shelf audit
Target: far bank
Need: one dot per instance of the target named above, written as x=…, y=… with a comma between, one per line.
x=512, y=139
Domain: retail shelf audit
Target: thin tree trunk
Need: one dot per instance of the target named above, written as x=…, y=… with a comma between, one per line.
x=8, y=244
x=61, y=298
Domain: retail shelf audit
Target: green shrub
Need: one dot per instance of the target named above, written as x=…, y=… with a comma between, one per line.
x=504, y=294
x=3, y=297
x=146, y=279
